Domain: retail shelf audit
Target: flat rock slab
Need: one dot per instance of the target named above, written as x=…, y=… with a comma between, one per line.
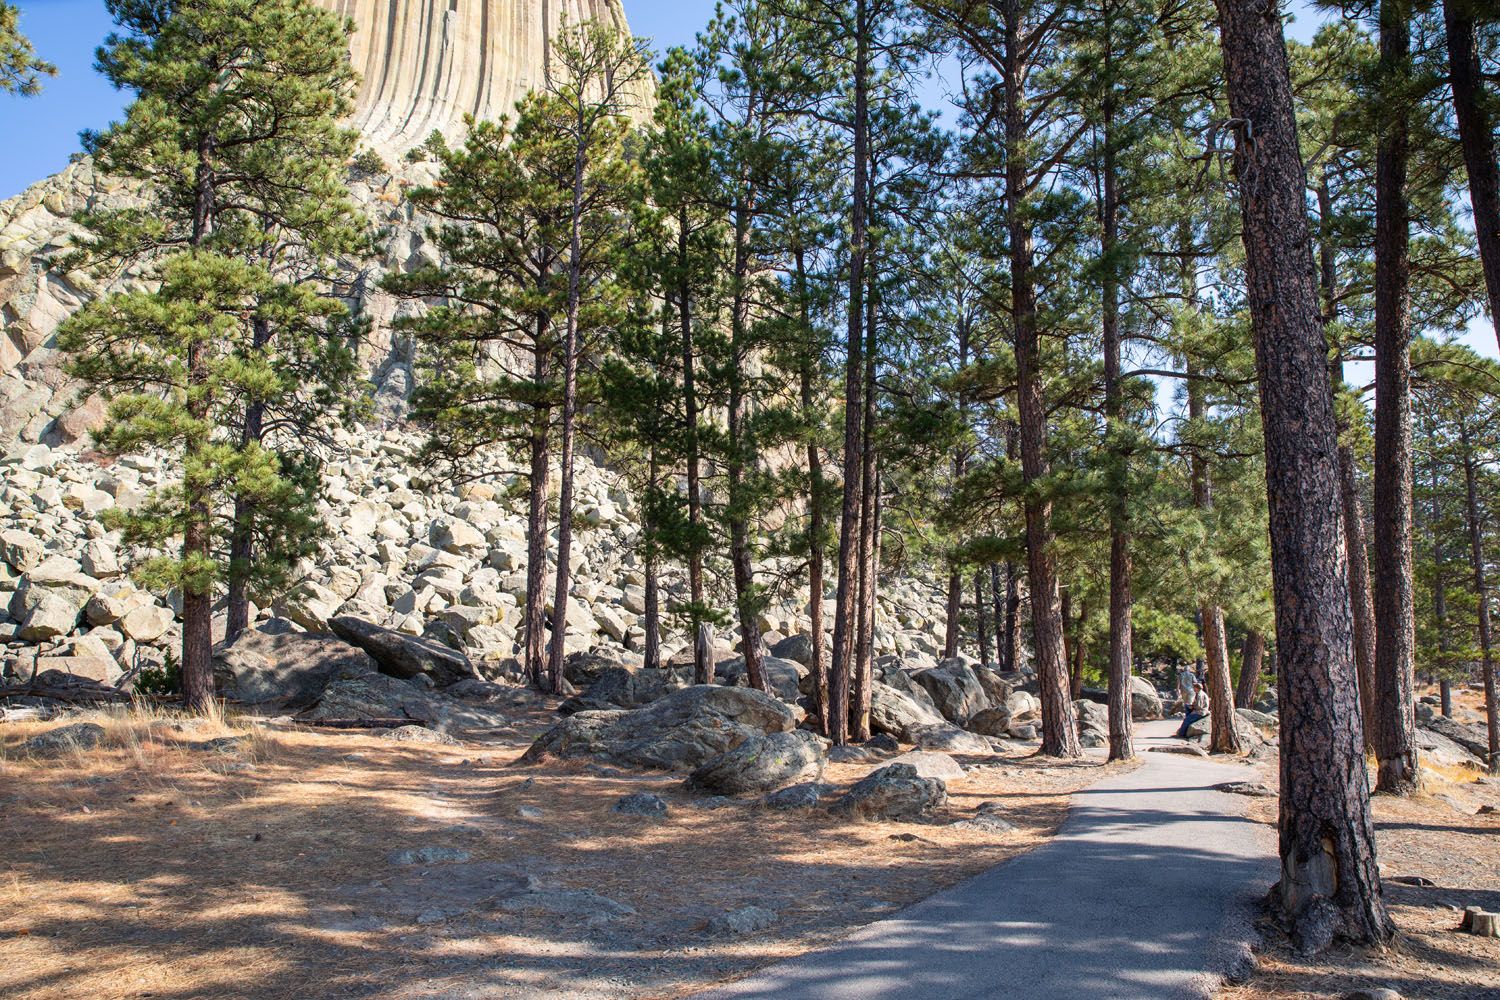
x=1145, y=894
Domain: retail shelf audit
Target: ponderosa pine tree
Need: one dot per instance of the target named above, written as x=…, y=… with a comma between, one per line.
x=1330, y=880
x=21, y=71
x=233, y=134
x=594, y=89
x=1013, y=38
x=488, y=351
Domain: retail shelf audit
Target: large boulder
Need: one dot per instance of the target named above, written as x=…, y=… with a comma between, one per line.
x=1093, y=723
x=404, y=656
x=996, y=688
x=794, y=647
x=269, y=665
x=897, y=713
x=955, y=690
x=762, y=763
x=932, y=764
x=586, y=666
x=618, y=687
x=358, y=693
x=1145, y=703
x=896, y=791
x=947, y=736
x=784, y=676
x=992, y=722
x=679, y=732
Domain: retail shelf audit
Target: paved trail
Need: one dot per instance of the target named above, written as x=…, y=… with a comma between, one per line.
x=1145, y=893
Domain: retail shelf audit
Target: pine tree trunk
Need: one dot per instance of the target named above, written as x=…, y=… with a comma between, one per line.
x=1012, y=617
x=242, y=530
x=845, y=621
x=954, y=611
x=1059, y=730
x=1330, y=883
x=1252, y=659
x=702, y=638
x=740, y=455
x=1439, y=572
x=997, y=613
x=1476, y=130
x=1356, y=549
x=1394, y=735
x=864, y=677
x=1224, y=738
x=651, y=658
x=1121, y=596
x=982, y=619
x=815, y=527
x=533, y=620
x=1481, y=595
x=569, y=422
x=197, y=539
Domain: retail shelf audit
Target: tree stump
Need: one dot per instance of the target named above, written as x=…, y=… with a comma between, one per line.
x=1479, y=923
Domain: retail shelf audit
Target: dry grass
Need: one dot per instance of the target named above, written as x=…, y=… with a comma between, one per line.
x=156, y=868
x=1438, y=836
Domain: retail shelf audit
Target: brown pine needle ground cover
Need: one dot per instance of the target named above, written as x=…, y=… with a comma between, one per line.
x=1441, y=837
x=155, y=867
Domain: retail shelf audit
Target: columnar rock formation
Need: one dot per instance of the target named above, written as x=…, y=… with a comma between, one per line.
x=425, y=64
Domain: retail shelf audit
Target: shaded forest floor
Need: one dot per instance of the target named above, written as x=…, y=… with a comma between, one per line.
x=176, y=864
x=1440, y=841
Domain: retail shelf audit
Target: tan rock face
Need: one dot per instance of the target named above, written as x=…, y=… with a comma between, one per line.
x=425, y=64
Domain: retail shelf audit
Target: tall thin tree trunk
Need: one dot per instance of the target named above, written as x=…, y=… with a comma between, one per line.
x=1012, y=617
x=849, y=528
x=651, y=658
x=1223, y=736
x=1356, y=548
x=1252, y=659
x=1439, y=574
x=1121, y=596
x=997, y=606
x=864, y=676
x=1330, y=878
x=702, y=638
x=954, y=611
x=569, y=418
x=982, y=619
x=197, y=540
x=1481, y=594
x=1394, y=736
x=1059, y=730
x=242, y=531
x=1476, y=131
x=815, y=527
x=536, y=535
x=740, y=455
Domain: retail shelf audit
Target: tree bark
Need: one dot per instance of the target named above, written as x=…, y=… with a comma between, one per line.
x=651, y=657
x=1330, y=883
x=1394, y=735
x=997, y=605
x=1439, y=575
x=864, y=660
x=848, y=580
x=1476, y=131
x=1059, y=730
x=1121, y=596
x=955, y=606
x=536, y=534
x=1252, y=659
x=1223, y=736
x=702, y=639
x=738, y=512
x=1481, y=596
x=815, y=527
x=197, y=554
x=982, y=619
x=1356, y=548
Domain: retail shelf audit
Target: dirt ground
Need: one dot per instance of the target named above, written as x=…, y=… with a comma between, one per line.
x=166, y=866
x=1438, y=854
